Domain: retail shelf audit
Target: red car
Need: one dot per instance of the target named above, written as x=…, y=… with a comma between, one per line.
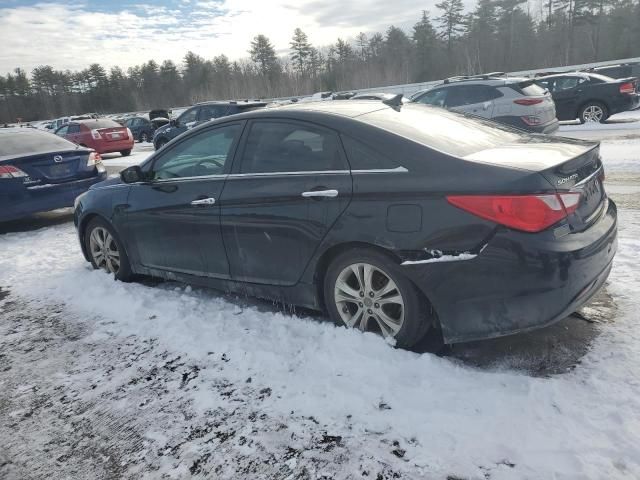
x=101, y=134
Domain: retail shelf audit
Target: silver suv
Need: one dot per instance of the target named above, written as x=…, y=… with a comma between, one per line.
x=510, y=100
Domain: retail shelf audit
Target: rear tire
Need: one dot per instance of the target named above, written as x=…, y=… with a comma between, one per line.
x=593, y=112
x=379, y=297
x=106, y=251
x=125, y=153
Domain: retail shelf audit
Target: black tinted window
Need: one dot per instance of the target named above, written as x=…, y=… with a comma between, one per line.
x=290, y=147
x=200, y=155
x=363, y=157
x=470, y=94
x=208, y=112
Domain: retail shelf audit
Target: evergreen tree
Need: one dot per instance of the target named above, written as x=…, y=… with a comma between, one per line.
x=451, y=21
x=263, y=54
x=300, y=51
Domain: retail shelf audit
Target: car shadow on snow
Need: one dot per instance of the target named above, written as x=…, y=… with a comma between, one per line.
x=552, y=350
x=37, y=221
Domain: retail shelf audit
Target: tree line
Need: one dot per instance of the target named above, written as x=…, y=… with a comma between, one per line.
x=496, y=35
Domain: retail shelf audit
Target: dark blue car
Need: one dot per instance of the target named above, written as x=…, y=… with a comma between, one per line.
x=40, y=171
x=200, y=113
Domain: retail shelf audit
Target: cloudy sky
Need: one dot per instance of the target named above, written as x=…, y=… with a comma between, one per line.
x=67, y=34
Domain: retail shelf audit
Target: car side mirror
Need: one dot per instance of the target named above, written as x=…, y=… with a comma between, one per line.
x=174, y=122
x=132, y=174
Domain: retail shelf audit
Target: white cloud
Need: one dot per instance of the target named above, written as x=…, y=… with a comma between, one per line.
x=66, y=36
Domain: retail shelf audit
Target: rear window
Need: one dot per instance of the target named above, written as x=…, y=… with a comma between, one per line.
x=448, y=132
x=528, y=89
x=28, y=142
x=102, y=123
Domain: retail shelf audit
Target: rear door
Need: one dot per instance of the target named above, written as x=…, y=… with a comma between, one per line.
x=290, y=185
x=567, y=93
x=174, y=219
x=473, y=99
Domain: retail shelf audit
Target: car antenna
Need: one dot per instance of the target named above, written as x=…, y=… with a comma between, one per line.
x=394, y=102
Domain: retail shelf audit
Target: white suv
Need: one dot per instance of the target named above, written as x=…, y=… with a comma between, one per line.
x=518, y=102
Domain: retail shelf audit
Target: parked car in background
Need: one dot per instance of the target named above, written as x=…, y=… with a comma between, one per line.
x=141, y=128
x=159, y=113
x=591, y=97
x=518, y=102
x=393, y=218
x=102, y=134
x=41, y=172
x=200, y=113
x=623, y=70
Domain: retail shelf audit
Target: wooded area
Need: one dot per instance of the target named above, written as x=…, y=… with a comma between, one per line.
x=497, y=35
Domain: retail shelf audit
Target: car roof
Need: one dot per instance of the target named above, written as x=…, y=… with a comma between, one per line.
x=55, y=144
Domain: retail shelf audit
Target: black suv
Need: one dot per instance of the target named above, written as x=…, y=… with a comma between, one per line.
x=591, y=97
x=200, y=113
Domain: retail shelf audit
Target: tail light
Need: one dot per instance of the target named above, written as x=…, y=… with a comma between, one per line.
x=627, y=88
x=531, y=120
x=96, y=134
x=129, y=134
x=94, y=159
x=529, y=213
x=528, y=101
x=9, y=171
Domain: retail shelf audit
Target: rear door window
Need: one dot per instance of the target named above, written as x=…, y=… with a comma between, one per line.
x=62, y=130
x=363, y=157
x=189, y=116
x=209, y=112
x=274, y=147
x=73, y=129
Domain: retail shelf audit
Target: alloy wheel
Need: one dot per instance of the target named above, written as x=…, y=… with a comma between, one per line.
x=104, y=250
x=144, y=138
x=367, y=298
x=593, y=113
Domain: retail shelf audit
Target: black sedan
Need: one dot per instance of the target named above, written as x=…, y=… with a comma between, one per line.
x=591, y=97
x=391, y=218
x=41, y=172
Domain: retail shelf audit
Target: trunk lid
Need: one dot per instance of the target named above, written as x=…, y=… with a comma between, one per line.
x=50, y=168
x=113, y=134
x=570, y=166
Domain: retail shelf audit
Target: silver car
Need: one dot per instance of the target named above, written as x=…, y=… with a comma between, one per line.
x=514, y=101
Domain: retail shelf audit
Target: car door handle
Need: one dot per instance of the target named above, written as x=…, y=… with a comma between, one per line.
x=320, y=193
x=204, y=201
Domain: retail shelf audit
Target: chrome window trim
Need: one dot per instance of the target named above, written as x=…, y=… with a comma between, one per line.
x=589, y=178
x=273, y=174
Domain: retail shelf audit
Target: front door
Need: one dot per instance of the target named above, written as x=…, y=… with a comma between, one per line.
x=174, y=218
x=290, y=186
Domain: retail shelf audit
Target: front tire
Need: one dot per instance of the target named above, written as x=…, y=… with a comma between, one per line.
x=125, y=153
x=365, y=289
x=593, y=112
x=106, y=251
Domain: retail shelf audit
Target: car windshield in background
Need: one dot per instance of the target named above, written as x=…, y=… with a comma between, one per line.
x=30, y=142
x=447, y=132
x=530, y=89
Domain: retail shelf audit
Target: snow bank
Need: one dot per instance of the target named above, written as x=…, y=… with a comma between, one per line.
x=450, y=418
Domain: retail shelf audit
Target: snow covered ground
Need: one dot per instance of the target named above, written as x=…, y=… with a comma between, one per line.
x=100, y=379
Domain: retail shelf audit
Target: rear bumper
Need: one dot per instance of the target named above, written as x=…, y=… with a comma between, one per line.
x=519, y=281
x=27, y=201
x=624, y=103
x=115, y=146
